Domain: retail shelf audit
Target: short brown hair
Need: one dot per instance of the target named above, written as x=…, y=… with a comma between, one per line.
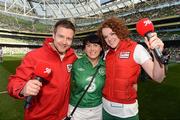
x=64, y=23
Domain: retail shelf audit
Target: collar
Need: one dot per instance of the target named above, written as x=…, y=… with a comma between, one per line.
x=87, y=61
x=123, y=44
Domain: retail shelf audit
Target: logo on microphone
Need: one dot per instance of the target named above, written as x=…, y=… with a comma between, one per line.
x=147, y=22
x=47, y=70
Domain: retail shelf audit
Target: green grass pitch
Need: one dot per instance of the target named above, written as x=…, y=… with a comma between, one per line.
x=156, y=101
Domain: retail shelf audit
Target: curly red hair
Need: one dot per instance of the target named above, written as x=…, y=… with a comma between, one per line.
x=117, y=25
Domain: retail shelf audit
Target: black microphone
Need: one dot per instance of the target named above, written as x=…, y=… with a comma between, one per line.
x=42, y=72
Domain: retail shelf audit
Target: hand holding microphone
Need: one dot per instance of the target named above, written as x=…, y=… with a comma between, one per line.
x=32, y=87
x=146, y=29
x=155, y=43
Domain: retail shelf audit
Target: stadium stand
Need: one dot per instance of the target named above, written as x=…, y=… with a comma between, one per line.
x=34, y=30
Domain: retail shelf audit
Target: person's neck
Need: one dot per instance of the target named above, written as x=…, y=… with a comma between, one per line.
x=94, y=62
x=117, y=46
x=61, y=54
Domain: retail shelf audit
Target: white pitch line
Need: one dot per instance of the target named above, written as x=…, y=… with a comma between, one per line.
x=3, y=92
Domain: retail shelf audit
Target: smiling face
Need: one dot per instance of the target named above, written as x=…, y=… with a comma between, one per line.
x=93, y=50
x=63, y=38
x=110, y=37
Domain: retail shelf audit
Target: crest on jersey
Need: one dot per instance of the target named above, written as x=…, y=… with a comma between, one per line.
x=69, y=67
x=101, y=71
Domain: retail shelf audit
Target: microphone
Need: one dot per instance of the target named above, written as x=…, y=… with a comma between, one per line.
x=42, y=72
x=145, y=27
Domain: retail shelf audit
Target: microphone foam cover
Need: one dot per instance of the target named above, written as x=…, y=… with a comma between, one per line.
x=43, y=70
x=144, y=26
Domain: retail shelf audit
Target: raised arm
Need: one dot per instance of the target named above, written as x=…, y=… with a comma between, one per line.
x=154, y=69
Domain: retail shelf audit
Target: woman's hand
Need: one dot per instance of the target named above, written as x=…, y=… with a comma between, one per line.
x=154, y=42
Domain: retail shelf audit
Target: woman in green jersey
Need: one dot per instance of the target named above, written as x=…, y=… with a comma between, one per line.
x=90, y=107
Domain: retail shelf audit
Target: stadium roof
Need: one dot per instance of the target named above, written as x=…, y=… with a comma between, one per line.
x=57, y=9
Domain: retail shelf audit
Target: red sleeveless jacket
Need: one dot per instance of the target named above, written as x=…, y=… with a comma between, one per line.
x=121, y=73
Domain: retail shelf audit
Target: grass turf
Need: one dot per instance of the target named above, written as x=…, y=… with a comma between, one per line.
x=161, y=101
x=156, y=101
x=11, y=109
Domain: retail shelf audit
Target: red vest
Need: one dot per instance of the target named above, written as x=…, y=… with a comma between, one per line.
x=122, y=73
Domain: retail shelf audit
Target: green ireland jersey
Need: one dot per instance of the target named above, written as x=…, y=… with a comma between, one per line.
x=82, y=73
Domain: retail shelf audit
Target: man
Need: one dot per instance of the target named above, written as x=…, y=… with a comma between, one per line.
x=50, y=99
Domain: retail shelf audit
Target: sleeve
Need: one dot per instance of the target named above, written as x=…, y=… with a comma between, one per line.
x=24, y=72
x=141, y=54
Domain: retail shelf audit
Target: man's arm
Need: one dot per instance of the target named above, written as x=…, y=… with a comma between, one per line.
x=24, y=72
